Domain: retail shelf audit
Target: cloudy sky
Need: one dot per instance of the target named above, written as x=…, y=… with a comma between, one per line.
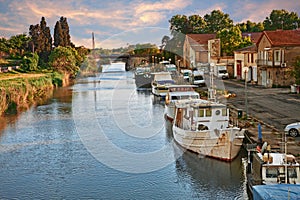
x=117, y=23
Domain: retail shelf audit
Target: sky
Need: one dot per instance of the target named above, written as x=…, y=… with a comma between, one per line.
x=118, y=23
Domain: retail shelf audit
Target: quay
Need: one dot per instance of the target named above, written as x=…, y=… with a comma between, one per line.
x=270, y=134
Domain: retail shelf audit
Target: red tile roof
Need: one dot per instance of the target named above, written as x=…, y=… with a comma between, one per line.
x=283, y=37
x=200, y=41
x=201, y=38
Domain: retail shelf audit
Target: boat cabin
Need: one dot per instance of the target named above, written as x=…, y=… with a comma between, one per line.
x=179, y=92
x=272, y=168
x=199, y=114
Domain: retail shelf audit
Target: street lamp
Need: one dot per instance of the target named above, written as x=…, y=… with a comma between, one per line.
x=246, y=93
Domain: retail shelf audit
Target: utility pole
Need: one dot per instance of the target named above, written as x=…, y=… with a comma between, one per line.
x=93, y=41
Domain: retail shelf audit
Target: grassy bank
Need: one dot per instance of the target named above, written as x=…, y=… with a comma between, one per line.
x=18, y=91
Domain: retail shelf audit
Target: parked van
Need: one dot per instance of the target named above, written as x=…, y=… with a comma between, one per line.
x=186, y=74
x=197, y=78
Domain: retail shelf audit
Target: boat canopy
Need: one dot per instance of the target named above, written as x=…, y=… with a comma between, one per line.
x=276, y=192
x=162, y=76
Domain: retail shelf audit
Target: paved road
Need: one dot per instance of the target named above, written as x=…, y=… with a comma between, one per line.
x=275, y=106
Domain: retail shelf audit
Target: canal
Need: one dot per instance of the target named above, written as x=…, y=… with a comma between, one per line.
x=103, y=139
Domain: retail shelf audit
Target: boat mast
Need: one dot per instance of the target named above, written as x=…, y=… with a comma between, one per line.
x=211, y=90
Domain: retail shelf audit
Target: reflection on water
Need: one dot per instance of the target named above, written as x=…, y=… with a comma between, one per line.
x=43, y=157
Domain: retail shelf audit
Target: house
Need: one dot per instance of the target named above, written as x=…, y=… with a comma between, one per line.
x=200, y=49
x=197, y=49
x=276, y=53
x=245, y=59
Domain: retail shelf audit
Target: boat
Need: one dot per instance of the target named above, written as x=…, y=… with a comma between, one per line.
x=202, y=126
x=143, y=77
x=160, y=84
x=265, y=167
x=178, y=92
x=276, y=192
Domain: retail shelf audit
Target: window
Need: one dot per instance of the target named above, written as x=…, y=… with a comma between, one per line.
x=224, y=112
x=218, y=112
x=208, y=112
x=292, y=173
x=270, y=56
x=201, y=113
x=277, y=56
x=271, y=173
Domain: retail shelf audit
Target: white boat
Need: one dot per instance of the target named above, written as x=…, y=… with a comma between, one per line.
x=203, y=127
x=270, y=168
x=160, y=83
x=178, y=92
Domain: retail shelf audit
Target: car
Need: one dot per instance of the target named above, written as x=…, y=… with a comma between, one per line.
x=292, y=129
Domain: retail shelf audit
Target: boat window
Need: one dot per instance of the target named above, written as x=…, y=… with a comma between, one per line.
x=201, y=113
x=218, y=112
x=224, y=112
x=271, y=173
x=208, y=112
x=292, y=173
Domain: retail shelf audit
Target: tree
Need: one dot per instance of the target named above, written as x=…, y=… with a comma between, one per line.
x=179, y=24
x=296, y=71
x=164, y=41
x=62, y=34
x=19, y=43
x=30, y=62
x=231, y=39
x=63, y=60
x=58, y=35
x=217, y=21
x=197, y=24
x=42, y=40
x=281, y=19
x=251, y=26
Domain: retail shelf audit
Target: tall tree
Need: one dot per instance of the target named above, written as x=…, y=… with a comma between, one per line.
x=58, y=35
x=281, y=19
x=217, y=21
x=62, y=33
x=41, y=40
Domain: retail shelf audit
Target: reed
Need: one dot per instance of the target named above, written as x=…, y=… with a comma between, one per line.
x=19, y=93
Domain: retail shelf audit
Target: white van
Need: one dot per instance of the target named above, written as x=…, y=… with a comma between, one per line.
x=197, y=78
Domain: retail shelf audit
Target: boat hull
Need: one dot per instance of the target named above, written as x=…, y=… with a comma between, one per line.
x=170, y=112
x=225, y=147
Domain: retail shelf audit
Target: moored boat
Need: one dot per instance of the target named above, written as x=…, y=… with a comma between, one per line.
x=160, y=83
x=203, y=127
x=143, y=77
x=175, y=93
x=271, y=168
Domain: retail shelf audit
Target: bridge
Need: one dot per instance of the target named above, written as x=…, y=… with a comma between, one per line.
x=129, y=60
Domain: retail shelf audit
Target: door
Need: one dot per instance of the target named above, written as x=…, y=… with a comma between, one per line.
x=239, y=69
x=264, y=78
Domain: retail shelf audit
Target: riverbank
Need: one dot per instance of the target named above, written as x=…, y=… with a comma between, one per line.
x=270, y=134
x=18, y=91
